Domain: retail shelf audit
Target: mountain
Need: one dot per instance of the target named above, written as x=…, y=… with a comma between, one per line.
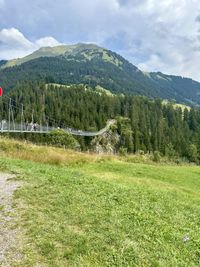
x=94, y=65
x=51, y=52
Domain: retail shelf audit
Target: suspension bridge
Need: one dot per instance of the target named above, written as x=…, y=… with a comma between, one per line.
x=9, y=124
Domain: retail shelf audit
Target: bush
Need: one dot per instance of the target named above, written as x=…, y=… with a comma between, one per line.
x=61, y=138
x=123, y=151
x=156, y=156
x=170, y=152
x=193, y=153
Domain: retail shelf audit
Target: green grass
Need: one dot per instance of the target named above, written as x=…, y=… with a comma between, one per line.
x=107, y=213
x=176, y=105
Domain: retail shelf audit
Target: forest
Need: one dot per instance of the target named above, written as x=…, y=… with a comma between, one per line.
x=144, y=125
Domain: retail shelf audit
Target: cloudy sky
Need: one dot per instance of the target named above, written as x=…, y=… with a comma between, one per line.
x=155, y=35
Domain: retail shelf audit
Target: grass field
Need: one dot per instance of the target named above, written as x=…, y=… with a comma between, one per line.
x=103, y=211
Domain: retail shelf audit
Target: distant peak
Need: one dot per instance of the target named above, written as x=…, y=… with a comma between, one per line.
x=69, y=46
x=53, y=51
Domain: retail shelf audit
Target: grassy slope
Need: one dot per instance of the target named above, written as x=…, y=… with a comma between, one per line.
x=56, y=51
x=108, y=212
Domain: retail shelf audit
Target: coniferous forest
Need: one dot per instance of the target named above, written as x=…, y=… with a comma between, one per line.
x=144, y=125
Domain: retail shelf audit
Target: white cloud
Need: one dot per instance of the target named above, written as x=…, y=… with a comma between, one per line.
x=14, y=44
x=47, y=41
x=166, y=36
x=14, y=38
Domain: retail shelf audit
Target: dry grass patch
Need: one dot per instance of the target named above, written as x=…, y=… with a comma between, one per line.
x=46, y=154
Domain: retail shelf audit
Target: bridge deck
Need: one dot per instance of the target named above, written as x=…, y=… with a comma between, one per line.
x=45, y=130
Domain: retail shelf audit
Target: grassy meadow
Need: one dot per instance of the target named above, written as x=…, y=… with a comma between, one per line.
x=77, y=209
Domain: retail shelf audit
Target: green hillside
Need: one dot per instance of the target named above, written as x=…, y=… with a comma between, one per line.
x=96, y=66
x=143, y=125
x=86, y=210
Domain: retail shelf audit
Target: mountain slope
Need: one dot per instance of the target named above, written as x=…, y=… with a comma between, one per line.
x=47, y=52
x=93, y=65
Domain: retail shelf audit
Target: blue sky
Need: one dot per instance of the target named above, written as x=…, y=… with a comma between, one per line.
x=154, y=35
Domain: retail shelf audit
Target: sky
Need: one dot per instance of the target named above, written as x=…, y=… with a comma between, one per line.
x=154, y=35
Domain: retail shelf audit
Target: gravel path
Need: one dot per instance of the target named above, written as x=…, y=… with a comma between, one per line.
x=8, y=232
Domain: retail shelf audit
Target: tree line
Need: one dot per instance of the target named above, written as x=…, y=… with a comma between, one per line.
x=143, y=124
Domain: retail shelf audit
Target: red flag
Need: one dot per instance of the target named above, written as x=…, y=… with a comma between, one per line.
x=1, y=91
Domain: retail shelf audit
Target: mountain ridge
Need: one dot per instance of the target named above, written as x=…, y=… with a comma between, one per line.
x=95, y=65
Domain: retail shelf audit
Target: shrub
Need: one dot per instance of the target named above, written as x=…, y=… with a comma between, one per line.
x=61, y=138
x=156, y=156
x=123, y=151
x=193, y=153
x=170, y=151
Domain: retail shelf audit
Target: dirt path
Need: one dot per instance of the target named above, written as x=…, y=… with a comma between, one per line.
x=8, y=232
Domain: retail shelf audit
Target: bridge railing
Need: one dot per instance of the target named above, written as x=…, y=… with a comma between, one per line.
x=14, y=127
x=36, y=128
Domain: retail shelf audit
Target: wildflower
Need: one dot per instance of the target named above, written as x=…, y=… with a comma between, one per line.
x=186, y=238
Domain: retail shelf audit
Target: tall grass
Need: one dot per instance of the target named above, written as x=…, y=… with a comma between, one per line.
x=59, y=156
x=45, y=154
